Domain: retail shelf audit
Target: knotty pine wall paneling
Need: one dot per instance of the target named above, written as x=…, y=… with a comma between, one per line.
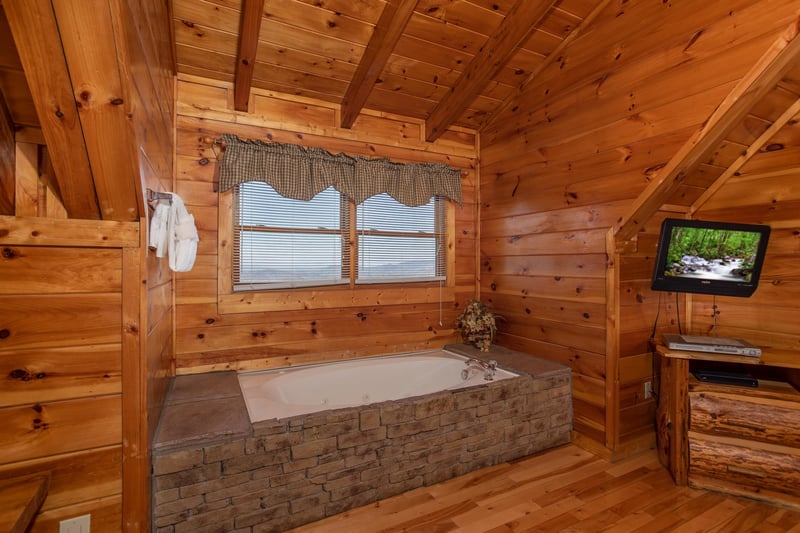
x=143, y=37
x=764, y=192
x=69, y=357
x=558, y=169
x=209, y=337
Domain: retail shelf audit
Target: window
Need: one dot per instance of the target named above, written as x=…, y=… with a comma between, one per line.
x=283, y=243
x=400, y=243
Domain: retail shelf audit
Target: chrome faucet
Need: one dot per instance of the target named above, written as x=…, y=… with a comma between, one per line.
x=489, y=368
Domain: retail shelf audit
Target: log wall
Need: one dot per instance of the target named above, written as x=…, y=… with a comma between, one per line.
x=319, y=327
x=559, y=168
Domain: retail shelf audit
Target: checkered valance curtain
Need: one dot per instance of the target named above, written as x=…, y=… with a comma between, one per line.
x=300, y=173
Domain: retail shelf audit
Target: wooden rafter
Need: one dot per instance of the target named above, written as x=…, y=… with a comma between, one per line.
x=791, y=113
x=390, y=26
x=514, y=98
x=751, y=88
x=36, y=34
x=518, y=24
x=252, y=12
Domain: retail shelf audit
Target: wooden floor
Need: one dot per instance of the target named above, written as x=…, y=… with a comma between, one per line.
x=566, y=490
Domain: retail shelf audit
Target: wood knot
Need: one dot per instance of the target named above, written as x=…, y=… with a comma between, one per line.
x=4, y=333
x=19, y=374
x=203, y=161
x=117, y=101
x=9, y=253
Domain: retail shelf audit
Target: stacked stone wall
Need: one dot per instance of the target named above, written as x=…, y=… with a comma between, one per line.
x=285, y=473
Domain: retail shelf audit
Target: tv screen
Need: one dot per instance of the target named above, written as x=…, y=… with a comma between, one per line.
x=706, y=257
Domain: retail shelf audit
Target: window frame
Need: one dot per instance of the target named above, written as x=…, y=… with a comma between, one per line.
x=325, y=296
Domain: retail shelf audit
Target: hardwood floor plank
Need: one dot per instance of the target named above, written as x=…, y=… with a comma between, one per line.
x=716, y=518
x=564, y=490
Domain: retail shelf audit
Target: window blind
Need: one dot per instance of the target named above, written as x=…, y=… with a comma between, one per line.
x=400, y=243
x=280, y=242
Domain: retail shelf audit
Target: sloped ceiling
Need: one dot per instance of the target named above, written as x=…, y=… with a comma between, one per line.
x=746, y=127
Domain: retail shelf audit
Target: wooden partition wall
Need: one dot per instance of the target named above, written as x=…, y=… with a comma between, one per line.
x=86, y=311
x=309, y=327
x=563, y=165
x=70, y=359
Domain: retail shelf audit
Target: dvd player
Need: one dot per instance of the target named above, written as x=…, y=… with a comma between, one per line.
x=703, y=343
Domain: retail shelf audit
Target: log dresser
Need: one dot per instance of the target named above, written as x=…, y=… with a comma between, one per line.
x=730, y=438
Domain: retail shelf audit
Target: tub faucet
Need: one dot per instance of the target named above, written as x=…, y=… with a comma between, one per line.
x=489, y=368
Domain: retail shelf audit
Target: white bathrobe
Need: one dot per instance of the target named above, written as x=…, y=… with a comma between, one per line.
x=173, y=233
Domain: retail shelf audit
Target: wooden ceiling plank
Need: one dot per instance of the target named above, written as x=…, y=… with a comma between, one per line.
x=387, y=32
x=790, y=114
x=105, y=122
x=514, y=98
x=36, y=35
x=758, y=81
x=520, y=21
x=252, y=13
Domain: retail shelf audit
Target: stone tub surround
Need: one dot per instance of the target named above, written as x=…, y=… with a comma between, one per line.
x=278, y=474
x=201, y=408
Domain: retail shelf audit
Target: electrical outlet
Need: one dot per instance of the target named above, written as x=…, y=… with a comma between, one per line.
x=648, y=389
x=79, y=524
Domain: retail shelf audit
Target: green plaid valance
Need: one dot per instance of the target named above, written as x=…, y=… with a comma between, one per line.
x=300, y=173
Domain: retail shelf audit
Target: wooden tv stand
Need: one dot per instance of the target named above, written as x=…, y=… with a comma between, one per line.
x=729, y=438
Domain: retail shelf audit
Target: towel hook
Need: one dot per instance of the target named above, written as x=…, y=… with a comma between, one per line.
x=153, y=196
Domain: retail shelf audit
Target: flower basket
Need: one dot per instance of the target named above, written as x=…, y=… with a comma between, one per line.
x=477, y=325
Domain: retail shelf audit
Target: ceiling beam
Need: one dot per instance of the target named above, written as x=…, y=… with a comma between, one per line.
x=388, y=30
x=519, y=23
x=761, y=78
x=514, y=98
x=250, y=28
x=792, y=113
x=33, y=25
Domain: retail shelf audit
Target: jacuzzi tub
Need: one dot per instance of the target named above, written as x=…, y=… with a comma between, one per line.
x=283, y=393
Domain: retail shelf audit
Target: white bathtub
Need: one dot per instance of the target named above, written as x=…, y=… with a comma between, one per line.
x=307, y=389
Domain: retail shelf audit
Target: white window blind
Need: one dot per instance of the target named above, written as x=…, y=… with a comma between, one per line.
x=279, y=242
x=283, y=243
x=400, y=243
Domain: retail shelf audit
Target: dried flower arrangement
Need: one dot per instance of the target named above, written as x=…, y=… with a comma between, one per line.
x=477, y=325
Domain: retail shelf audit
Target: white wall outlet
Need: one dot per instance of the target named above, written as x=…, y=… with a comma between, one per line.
x=79, y=524
x=648, y=389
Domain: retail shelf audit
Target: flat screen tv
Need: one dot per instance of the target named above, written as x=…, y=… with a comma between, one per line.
x=721, y=258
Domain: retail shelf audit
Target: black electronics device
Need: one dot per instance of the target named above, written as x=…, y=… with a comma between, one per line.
x=721, y=258
x=727, y=377
x=724, y=373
